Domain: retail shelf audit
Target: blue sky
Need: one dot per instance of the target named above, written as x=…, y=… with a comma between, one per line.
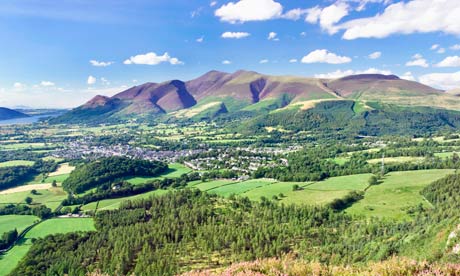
x=62, y=53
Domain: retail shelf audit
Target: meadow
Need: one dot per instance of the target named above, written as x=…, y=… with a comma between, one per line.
x=51, y=197
x=174, y=170
x=10, y=222
x=14, y=163
x=52, y=226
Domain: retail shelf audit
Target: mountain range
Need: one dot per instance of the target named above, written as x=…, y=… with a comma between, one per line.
x=216, y=93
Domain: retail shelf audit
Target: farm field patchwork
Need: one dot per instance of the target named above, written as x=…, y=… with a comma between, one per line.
x=52, y=226
x=399, y=191
x=51, y=197
x=20, y=222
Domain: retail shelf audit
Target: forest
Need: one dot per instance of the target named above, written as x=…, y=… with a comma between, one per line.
x=188, y=228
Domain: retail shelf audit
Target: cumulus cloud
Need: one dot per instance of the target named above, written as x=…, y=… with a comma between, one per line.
x=324, y=56
x=226, y=62
x=416, y=16
x=200, y=39
x=263, y=61
x=91, y=80
x=340, y=74
x=455, y=47
x=100, y=63
x=327, y=17
x=273, y=36
x=453, y=61
x=375, y=55
x=418, y=60
x=18, y=85
x=407, y=76
x=295, y=14
x=213, y=3
x=293, y=60
x=249, y=10
x=152, y=59
x=236, y=35
x=442, y=80
x=434, y=47
x=47, y=83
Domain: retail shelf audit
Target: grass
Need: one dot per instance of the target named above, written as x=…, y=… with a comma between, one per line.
x=399, y=191
x=206, y=186
x=175, y=170
x=58, y=178
x=53, y=226
x=240, y=187
x=14, y=163
x=400, y=159
x=51, y=197
x=10, y=222
x=357, y=182
x=444, y=154
x=340, y=160
x=114, y=203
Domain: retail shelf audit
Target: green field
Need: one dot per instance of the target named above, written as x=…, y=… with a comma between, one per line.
x=51, y=197
x=14, y=163
x=206, y=186
x=10, y=222
x=53, y=226
x=398, y=191
x=400, y=159
x=58, y=178
x=357, y=182
x=444, y=154
x=175, y=170
x=240, y=187
x=114, y=203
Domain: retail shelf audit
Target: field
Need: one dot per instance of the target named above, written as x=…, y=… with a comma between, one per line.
x=400, y=159
x=240, y=187
x=10, y=222
x=16, y=163
x=209, y=185
x=114, y=203
x=51, y=197
x=63, y=169
x=398, y=191
x=48, y=227
x=175, y=170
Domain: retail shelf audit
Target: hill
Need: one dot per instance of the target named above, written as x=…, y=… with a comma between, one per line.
x=250, y=93
x=7, y=114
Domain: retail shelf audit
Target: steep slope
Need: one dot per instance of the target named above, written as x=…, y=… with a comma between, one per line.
x=6, y=114
x=251, y=93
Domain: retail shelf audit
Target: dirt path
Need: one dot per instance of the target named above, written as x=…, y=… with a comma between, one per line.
x=26, y=188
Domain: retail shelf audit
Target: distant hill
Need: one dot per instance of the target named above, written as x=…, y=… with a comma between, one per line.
x=7, y=114
x=217, y=93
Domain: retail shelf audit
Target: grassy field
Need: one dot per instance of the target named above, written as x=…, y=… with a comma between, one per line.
x=400, y=159
x=341, y=160
x=51, y=197
x=398, y=191
x=240, y=187
x=58, y=178
x=175, y=170
x=357, y=182
x=16, y=163
x=205, y=186
x=10, y=222
x=444, y=154
x=110, y=204
x=53, y=226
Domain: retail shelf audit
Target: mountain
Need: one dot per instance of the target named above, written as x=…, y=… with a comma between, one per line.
x=7, y=114
x=216, y=93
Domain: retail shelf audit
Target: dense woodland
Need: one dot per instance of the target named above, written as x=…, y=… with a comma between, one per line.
x=104, y=171
x=169, y=234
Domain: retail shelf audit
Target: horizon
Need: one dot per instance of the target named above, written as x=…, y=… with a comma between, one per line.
x=63, y=54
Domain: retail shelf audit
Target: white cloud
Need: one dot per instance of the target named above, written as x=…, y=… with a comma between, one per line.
x=327, y=17
x=18, y=85
x=226, y=62
x=91, y=80
x=441, y=51
x=407, y=76
x=455, y=47
x=303, y=34
x=47, y=83
x=340, y=74
x=152, y=59
x=442, y=80
x=263, y=61
x=375, y=55
x=236, y=35
x=293, y=60
x=324, y=56
x=416, y=16
x=434, y=47
x=452, y=61
x=249, y=10
x=418, y=60
x=213, y=3
x=273, y=36
x=295, y=14
x=100, y=63
x=200, y=39
x=105, y=81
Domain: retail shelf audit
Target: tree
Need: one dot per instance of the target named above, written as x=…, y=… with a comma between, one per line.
x=28, y=200
x=373, y=180
x=54, y=184
x=295, y=187
x=34, y=192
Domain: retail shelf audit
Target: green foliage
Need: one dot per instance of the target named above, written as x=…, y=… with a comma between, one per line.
x=106, y=170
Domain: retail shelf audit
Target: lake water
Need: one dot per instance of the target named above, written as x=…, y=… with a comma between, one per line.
x=27, y=120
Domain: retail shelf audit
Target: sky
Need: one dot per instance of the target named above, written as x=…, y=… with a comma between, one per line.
x=61, y=53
